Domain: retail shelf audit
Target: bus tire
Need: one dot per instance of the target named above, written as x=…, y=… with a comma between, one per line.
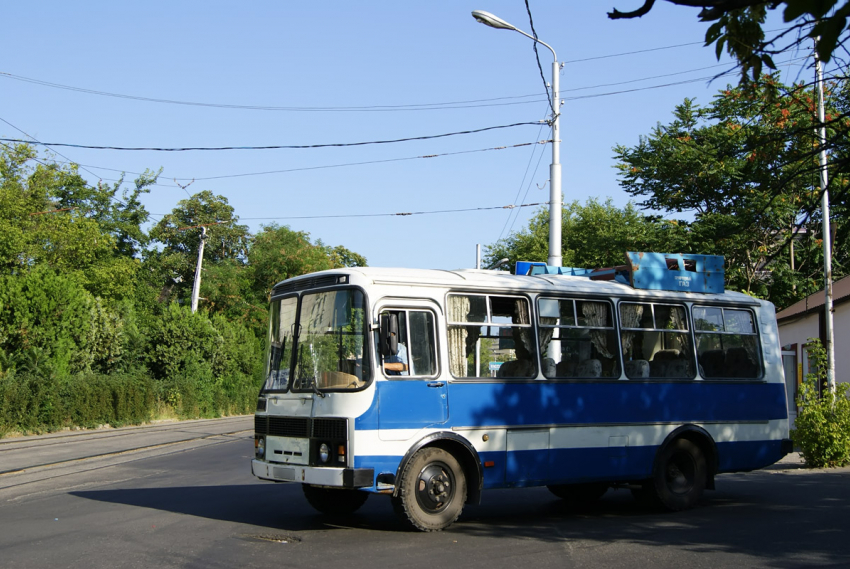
x=579, y=494
x=432, y=490
x=334, y=501
x=680, y=476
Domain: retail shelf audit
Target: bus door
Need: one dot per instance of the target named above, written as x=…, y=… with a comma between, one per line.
x=411, y=395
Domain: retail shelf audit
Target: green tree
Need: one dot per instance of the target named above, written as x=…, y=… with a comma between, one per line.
x=738, y=27
x=593, y=235
x=43, y=223
x=744, y=168
x=180, y=234
x=179, y=231
x=278, y=253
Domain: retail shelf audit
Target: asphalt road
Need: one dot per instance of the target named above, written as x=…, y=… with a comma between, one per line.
x=189, y=500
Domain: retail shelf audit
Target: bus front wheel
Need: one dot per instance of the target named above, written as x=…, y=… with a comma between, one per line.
x=334, y=501
x=680, y=476
x=432, y=490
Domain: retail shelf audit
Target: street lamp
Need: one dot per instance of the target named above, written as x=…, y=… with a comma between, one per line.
x=555, y=168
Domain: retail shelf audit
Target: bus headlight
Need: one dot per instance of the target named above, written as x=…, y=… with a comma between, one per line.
x=324, y=453
x=260, y=447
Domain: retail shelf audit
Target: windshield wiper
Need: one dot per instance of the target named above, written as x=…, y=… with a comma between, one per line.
x=315, y=384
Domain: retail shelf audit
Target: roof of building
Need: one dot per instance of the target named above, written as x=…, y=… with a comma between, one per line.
x=814, y=302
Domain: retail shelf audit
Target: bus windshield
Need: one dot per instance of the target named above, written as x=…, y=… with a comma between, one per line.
x=318, y=342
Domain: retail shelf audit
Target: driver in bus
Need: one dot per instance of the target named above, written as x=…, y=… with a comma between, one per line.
x=397, y=364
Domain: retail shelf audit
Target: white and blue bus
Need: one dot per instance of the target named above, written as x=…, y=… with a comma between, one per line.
x=379, y=381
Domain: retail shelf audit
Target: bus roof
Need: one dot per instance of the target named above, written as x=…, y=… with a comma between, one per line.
x=482, y=280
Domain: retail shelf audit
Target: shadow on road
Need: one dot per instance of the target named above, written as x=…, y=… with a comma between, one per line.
x=775, y=517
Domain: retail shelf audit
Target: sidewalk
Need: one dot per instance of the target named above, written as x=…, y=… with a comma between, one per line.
x=20, y=454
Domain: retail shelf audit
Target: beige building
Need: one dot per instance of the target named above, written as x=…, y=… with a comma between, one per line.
x=804, y=320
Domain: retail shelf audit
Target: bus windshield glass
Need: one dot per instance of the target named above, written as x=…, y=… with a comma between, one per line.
x=329, y=349
x=319, y=342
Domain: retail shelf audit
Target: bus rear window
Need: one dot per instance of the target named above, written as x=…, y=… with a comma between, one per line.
x=656, y=341
x=727, y=343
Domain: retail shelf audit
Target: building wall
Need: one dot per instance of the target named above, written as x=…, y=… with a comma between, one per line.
x=799, y=331
x=841, y=333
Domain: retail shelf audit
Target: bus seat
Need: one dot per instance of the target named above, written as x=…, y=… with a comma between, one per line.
x=659, y=362
x=637, y=369
x=665, y=355
x=516, y=368
x=589, y=368
x=505, y=370
x=739, y=364
x=566, y=368
x=712, y=363
x=549, y=367
x=678, y=368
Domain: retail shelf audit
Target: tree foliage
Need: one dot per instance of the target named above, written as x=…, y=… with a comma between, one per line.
x=822, y=426
x=738, y=27
x=95, y=325
x=593, y=235
x=746, y=168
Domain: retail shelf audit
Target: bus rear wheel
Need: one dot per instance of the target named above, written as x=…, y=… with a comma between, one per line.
x=680, y=476
x=579, y=494
x=334, y=501
x=432, y=490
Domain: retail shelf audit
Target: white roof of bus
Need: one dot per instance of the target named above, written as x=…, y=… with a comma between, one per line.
x=482, y=279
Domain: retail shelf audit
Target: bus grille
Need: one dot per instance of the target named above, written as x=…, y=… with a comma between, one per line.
x=301, y=427
x=331, y=429
x=305, y=284
x=289, y=427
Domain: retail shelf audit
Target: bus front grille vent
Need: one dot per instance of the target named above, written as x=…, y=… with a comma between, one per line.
x=301, y=427
x=305, y=284
x=330, y=429
x=261, y=425
x=289, y=427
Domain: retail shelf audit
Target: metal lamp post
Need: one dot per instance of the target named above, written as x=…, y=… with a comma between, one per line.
x=555, y=168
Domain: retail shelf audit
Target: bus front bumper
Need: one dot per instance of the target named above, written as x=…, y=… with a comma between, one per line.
x=320, y=476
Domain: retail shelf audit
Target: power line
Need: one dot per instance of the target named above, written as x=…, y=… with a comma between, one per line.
x=329, y=166
x=40, y=143
x=273, y=147
x=522, y=182
x=374, y=108
x=643, y=50
x=400, y=214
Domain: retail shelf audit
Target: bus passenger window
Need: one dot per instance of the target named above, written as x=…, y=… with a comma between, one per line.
x=490, y=328
x=727, y=343
x=577, y=339
x=416, y=346
x=656, y=341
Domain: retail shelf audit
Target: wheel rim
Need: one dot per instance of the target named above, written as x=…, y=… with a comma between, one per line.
x=435, y=487
x=681, y=473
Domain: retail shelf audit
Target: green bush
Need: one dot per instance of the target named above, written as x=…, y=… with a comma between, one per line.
x=822, y=427
x=32, y=402
x=207, y=367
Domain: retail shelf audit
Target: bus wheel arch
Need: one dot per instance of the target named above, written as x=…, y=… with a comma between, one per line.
x=700, y=437
x=684, y=466
x=461, y=450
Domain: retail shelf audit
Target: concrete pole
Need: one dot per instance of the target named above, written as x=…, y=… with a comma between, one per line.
x=555, y=172
x=827, y=236
x=478, y=341
x=196, y=286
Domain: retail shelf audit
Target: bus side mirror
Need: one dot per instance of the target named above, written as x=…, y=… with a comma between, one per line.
x=389, y=334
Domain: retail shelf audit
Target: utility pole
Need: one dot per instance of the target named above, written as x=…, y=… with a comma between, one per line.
x=196, y=286
x=478, y=341
x=827, y=234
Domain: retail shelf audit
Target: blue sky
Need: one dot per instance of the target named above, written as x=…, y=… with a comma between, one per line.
x=326, y=62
